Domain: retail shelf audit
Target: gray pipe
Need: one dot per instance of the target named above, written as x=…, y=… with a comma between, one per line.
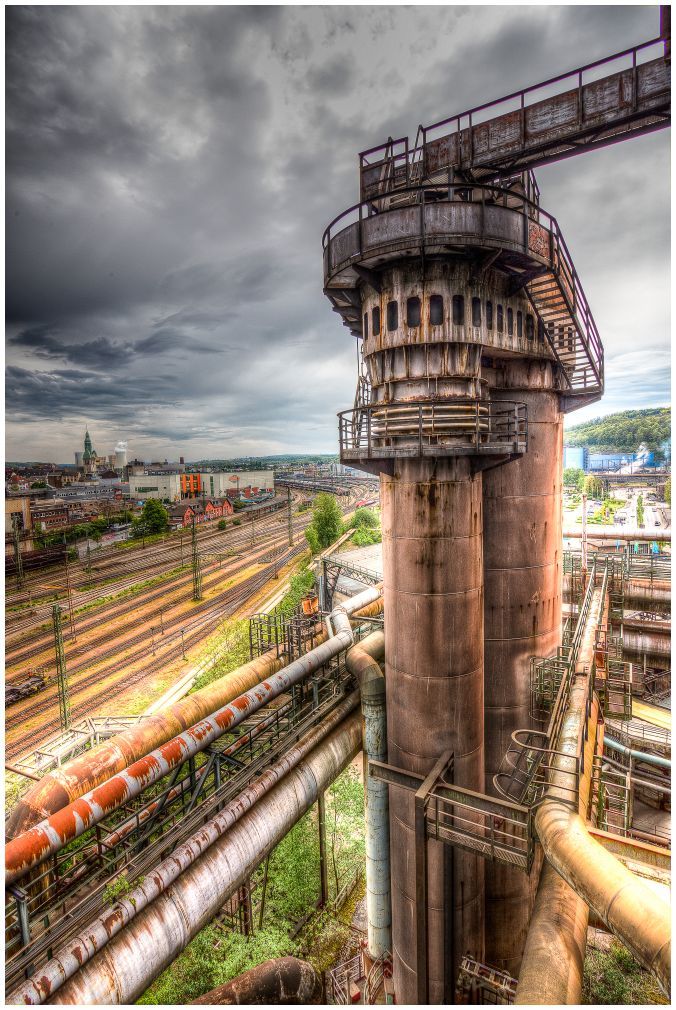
x=51, y=835
x=650, y=759
x=361, y=661
x=201, y=880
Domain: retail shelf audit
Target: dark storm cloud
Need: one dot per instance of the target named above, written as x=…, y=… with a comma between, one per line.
x=170, y=171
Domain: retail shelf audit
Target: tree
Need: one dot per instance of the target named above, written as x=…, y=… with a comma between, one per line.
x=364, y=518
x=222, y=524
x=667, y=491
x=571, y=476
x=327, y=523
x=153, y=519
x=640, y=517
x=593, y=487
x=39, y=484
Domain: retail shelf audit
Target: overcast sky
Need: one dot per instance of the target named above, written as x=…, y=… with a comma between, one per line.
x=170, y=171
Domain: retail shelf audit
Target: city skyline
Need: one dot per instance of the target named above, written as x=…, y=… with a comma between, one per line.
x=166, y=204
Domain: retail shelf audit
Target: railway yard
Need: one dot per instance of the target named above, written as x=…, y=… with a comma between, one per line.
x=130, y=623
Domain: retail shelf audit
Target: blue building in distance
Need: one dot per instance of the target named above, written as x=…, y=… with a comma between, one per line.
x=576, y=456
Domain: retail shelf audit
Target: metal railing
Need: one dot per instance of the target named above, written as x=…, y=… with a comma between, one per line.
x=433, y=428
x=396, y=165
x=339, y=979
x=70, y=888
x=532, y=764
x=378, y=972
x=540, y=234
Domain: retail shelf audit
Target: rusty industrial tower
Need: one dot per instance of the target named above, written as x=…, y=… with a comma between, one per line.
x=476, y=339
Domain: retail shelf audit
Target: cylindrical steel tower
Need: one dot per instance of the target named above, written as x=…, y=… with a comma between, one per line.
x=468, y=308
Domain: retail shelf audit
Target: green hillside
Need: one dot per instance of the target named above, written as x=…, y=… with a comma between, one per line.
x=623, y=432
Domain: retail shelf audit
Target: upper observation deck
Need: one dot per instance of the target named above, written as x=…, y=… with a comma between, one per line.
x=497, y=227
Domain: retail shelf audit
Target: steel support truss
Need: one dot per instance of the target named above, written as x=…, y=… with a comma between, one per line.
x=498, y=830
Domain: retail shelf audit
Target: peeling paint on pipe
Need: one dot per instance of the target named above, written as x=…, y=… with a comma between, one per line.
x=37, y=844
x=283, y=980
x=71, y=958
x=77, y=777
x=361, y=661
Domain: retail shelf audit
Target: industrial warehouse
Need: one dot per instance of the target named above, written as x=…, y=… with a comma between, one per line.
x=479, y=639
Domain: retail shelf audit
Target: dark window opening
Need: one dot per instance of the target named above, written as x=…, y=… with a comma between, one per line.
x=392, y=315
x=570, y=338
x=365, y=331
x=519, y=324
x=530, y=327
x=541, y=331
x=476, y=312
x=510, y=322
x=413, y=311
x=458, y=310
x=375, y=320
x=436, y=310
x=561, y=340
x=501, y=321
x=489, y=315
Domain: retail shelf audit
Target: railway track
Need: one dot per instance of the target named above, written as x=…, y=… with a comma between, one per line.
x=202, y=621
x=152, y=561
x=194, y=630
x=166, y=592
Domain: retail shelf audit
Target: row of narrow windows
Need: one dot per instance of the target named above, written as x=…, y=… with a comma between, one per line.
x=436, y=318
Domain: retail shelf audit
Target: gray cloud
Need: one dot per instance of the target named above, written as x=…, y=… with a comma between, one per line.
x=170, y=171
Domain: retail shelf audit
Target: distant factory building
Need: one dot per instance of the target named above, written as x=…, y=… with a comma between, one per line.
x=575, y=456
x=164, y=485
x=232, y=483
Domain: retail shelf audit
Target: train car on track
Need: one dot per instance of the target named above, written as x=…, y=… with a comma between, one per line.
x=31, y=560
x=17, y=692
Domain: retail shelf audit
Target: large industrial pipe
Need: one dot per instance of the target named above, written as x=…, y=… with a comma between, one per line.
x=77, y=777
x=553, y=958
x=639, y=919
x=637, y=755
x=98, y=934
x=619, y=533
x=282, y=980
x=48, y=837
x=361, y=661
x=522, y=612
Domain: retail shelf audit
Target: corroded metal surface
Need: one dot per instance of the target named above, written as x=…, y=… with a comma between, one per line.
x=433, y=570
x=90, y=769
x=36, y=844
x=283, y=980
x=522, y=568
x=315, y=755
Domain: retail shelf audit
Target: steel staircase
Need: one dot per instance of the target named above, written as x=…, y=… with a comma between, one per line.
x=565, y=317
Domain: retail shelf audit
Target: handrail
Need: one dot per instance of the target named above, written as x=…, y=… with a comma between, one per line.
x=559, y=254
x=632, y=51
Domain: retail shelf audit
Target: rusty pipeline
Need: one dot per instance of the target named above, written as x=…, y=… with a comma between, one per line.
x=160, y=920
x=51, y=835
x=639, y=919
x=362, y=662
x=282, y=980
x=97, y=934
x=114, y=837
x=77, y=777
